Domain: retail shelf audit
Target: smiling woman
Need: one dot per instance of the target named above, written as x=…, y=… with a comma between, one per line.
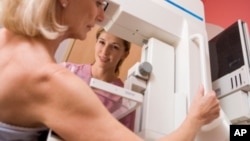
x=109, y=54
x=82, y=52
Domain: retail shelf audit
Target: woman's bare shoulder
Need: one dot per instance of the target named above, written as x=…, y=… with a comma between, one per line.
x=51, y=76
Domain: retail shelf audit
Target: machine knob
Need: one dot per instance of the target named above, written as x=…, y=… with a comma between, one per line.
x=145, y=68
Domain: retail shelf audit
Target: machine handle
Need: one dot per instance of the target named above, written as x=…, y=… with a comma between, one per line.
x=198, y=38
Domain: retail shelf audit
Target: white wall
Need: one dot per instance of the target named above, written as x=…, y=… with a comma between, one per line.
x=213, y=30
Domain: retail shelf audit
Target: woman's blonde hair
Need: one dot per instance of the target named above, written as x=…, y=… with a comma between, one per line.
x=31, y=18
x=126, y=44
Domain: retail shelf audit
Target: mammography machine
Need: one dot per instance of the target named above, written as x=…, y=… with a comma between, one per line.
x=174, y=41
x=174, y=62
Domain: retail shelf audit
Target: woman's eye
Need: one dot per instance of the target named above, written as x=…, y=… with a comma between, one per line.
x=98, y=3
x=101, y=42
x=115, y=47
x=102, y=4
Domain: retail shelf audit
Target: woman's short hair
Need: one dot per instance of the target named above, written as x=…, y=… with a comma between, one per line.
x=31, y=17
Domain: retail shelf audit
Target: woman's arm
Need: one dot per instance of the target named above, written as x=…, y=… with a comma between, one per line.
x=74, y=112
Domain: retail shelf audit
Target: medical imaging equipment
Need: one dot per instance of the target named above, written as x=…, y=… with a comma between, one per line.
x=174, y=41
x=229, y=59
x=173, y=37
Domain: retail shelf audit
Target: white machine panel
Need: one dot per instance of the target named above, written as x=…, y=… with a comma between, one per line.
x=159, y=95
x=236, y=107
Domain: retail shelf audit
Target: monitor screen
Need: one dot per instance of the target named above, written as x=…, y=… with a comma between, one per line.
x=225, y=51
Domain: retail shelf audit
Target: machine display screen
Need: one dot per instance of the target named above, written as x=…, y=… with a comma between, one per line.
x=225, y=51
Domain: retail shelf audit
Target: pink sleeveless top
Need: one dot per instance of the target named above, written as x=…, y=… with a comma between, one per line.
x=111, y=102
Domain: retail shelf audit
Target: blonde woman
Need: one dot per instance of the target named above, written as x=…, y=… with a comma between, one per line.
x=37, y=94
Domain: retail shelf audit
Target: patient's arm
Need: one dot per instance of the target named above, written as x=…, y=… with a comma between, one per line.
x=72, y=110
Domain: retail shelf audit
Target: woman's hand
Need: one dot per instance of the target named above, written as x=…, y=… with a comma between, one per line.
x=204, y=108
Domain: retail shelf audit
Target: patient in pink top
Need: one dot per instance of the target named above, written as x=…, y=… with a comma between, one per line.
x=110, y=52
